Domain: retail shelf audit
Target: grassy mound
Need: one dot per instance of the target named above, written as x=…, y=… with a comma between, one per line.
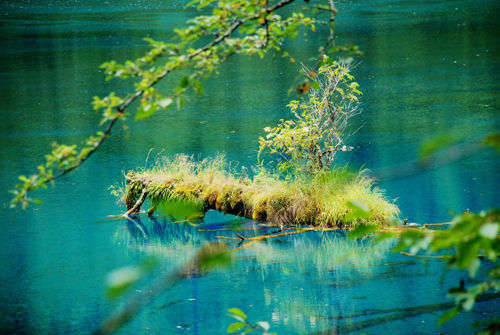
x=320, y=200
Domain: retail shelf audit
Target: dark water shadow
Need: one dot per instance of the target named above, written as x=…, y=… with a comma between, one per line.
x=395, y=314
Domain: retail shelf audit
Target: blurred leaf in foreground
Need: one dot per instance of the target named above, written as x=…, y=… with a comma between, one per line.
x=493, y=140
x=243, y=326
x=430, y=147
x=120, y=280
x=207, y=258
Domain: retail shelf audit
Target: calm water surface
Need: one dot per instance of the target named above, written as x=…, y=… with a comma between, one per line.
x=429, y=68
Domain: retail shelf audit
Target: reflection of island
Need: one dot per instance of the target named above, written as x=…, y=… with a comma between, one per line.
x=298, y=282
x=162, y=237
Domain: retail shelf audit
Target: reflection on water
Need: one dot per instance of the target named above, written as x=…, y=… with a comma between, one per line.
x=308, y=282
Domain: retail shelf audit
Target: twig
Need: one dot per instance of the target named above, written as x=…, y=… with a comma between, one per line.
x=266, y=24
x=138, y=204
x=331, y=26
x=424, y=256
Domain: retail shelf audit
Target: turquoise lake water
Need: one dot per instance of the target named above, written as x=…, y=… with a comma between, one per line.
x=430, y=68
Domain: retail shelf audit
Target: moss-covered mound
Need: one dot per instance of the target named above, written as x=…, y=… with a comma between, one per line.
x=320, y=200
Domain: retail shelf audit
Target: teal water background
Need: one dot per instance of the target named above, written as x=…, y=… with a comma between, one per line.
x=429, y=68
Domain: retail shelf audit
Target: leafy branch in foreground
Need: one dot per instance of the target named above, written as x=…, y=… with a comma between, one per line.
x=243, y=27
x=471, y=240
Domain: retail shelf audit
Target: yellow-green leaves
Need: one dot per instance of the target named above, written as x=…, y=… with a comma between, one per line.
x=316, y=133
x=243, y=326
x=363, y=230
x=471, y=240
x=448, y=315
x=121, y=279
x=235, y=326
x=237, y=314
x=146, y=109
x=62, y=159
x=213, y=255
x=109, y=106
x=358, y=211
x=209, y=257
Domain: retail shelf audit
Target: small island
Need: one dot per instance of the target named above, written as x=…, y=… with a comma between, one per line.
x=305, y=187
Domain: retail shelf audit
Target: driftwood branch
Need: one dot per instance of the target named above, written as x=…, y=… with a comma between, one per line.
x=138, y=203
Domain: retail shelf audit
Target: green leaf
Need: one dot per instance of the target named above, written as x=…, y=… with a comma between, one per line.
x=431, y=146
x=362, y=230
x=216, y=259
x=493, y=140
x=467, y=253
x=473, y=267
x=469, y=302
x=121, y=279
x=235, y=326
x=358, y=211
x=383, y=236
x=184, y=82
x=145, y=111
x=237, y=312
x=447, y=316
x=408, y=239
x=181, y=209
x=180, y=102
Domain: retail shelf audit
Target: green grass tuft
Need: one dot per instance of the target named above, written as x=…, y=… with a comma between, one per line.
x=320, y=200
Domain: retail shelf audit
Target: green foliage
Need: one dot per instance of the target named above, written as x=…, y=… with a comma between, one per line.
x=361, y=231
x=358, y=210
x=237, y=314
x=235, y=326
x=211, y=256
x=208, y=257
x=310, y=141
x=181, y=209
x=120, y=280
x=470, y=237
x=243, y=325
x=471, y=240
x=62, y=159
